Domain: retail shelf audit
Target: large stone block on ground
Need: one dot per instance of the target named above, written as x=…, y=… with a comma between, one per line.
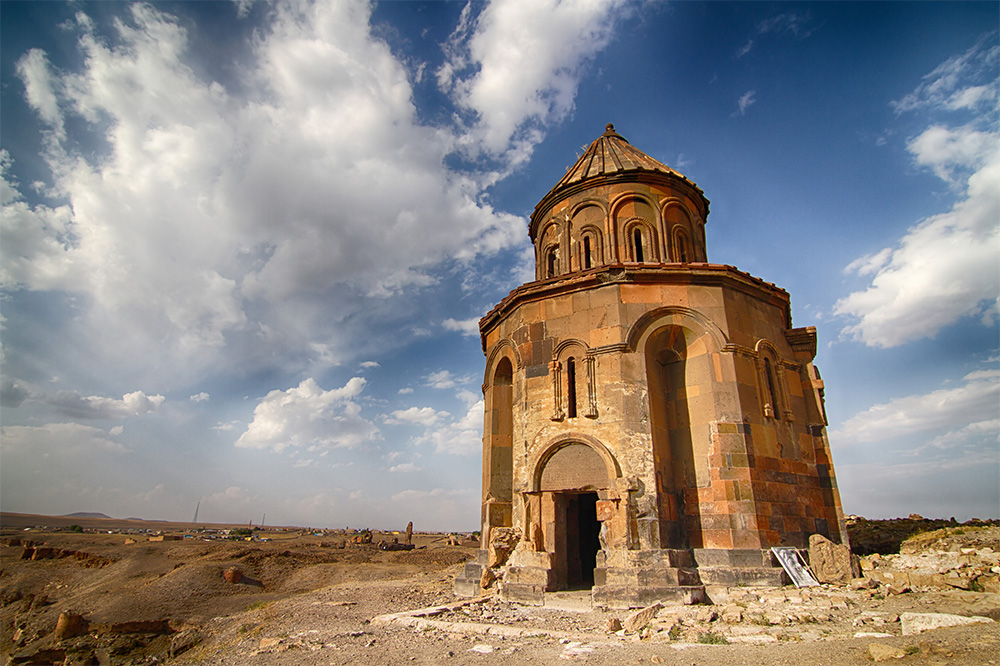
x=916, y=623
x=640, y=619
x=744, y=576
x=531, y=595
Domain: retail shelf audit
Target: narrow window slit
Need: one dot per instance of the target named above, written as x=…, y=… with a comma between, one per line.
x=571, y=388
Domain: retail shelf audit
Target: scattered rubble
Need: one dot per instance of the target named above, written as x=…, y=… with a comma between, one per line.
x=959, y=567
x=949, y=558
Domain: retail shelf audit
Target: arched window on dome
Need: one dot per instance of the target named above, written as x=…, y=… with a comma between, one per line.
x=552, y=262
x=640, y=244
x=637, y=252
x=682, y=246
x=589, y=249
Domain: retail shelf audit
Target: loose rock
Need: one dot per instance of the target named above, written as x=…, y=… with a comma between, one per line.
x=915, y=623
x=881, y=652
x=641, y=618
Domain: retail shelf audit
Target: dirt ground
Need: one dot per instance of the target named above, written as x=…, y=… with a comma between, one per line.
x=305, y=600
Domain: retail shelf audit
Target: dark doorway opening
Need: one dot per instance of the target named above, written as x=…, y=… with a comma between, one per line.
x=582, y=540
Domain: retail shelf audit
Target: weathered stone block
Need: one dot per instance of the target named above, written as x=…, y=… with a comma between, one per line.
x=830, y=562
x=916, y=623
x=640, y=619
x=532, y=595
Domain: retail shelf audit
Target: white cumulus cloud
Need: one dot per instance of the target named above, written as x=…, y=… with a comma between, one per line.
x=214, y=218
x=425, y=416
x=307, y=415
x=515, y=67
x=957, y=413
x=463, y=436
x=944, y=267
x=443, y=379
x=74, y=405
x=469, y=327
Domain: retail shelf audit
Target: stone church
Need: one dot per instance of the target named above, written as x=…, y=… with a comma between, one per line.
x=654, y=423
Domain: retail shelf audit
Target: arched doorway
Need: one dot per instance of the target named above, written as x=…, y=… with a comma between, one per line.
x=569, y=481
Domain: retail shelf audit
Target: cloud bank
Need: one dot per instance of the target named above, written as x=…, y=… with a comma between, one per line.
x=945, y=267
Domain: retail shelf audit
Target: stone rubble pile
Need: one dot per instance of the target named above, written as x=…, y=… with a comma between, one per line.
x=754, y=615
x=950, y=566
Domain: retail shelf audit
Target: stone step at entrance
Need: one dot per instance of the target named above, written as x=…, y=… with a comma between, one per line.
x=629, y=596
x=666, y=576
x=739, y=567
x=571, y=601
x=638, y=579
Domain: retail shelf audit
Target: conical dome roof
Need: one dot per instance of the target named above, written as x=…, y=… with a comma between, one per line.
x=611, y=156
x=611, y=153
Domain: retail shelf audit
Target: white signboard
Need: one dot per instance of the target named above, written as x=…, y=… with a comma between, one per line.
x=792, y=563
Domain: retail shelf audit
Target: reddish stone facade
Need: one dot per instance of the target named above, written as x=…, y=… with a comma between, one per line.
x=654, y=424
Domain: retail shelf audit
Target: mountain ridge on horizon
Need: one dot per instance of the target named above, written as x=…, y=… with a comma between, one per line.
x=90, y=514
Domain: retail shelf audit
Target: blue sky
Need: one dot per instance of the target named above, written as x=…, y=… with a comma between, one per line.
x=245, y=246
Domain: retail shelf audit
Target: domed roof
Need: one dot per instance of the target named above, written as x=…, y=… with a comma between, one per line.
x=612, y=156
x=611, y=153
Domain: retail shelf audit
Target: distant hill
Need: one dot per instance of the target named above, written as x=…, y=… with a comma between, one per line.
x=86, y=514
